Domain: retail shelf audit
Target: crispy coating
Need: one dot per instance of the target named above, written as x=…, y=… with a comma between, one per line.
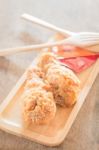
x=44, y=60
x=39, y=106
x=34, y=78
x=64, y=83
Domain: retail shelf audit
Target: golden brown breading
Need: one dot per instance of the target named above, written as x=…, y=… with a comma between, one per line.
x=64, y=83
x=44, y=60
x=39, y=106
x=34, y=79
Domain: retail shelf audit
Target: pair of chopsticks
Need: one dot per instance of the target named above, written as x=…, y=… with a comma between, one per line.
x=40, y=22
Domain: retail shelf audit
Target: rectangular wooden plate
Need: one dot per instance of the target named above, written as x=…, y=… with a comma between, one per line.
x=54, y=133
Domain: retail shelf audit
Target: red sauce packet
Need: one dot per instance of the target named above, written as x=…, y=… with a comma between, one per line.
x=78, y=64
x=76, y=58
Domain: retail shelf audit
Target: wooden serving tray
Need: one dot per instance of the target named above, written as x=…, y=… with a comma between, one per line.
x=54, y=133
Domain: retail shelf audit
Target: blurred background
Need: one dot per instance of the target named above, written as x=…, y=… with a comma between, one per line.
x=79, y=15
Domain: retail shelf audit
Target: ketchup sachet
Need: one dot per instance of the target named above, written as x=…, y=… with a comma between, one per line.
x=76, y=58
x=78, y=64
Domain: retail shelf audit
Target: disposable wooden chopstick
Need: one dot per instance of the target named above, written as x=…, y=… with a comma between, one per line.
x=45, y=24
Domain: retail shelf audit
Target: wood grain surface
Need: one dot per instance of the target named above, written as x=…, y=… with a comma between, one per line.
x=72, y=15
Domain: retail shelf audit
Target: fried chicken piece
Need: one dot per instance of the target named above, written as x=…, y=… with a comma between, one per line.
x=64, y=83
x=39, y=106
